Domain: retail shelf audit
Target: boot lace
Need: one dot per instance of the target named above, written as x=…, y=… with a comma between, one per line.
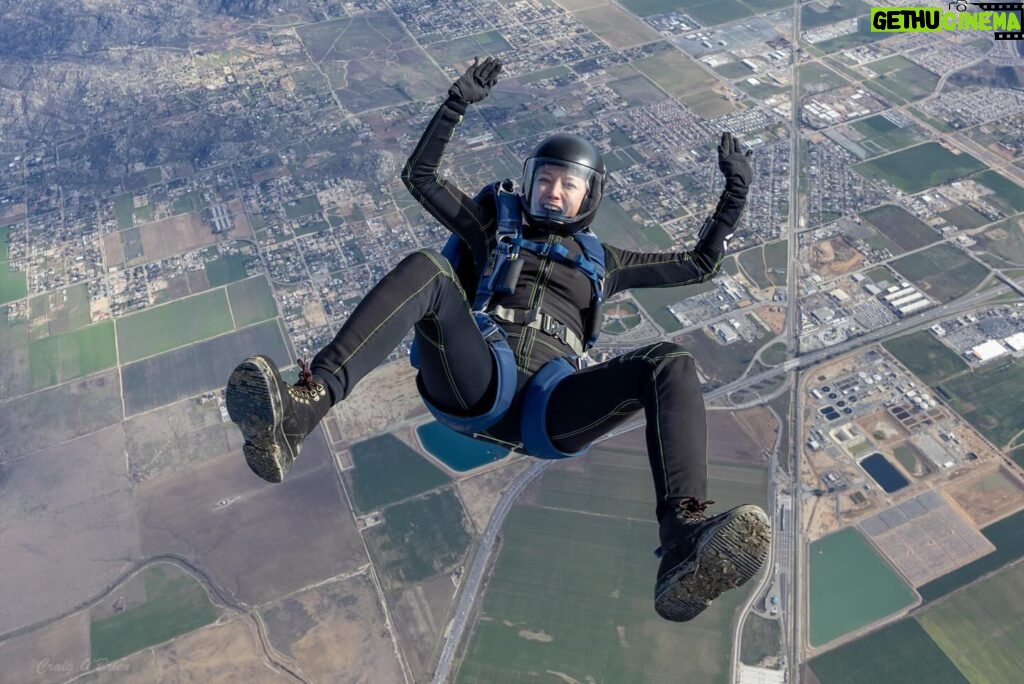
x=307, y=387
x=690, y=509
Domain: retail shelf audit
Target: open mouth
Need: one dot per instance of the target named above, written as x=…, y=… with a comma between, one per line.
x=550, y=206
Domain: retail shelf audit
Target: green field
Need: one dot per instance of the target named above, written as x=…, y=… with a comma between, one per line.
x=1005, y=240
x=124, y=209
x=907, y=457
x=1007, y=535
x=252, y=301
x=190, y=201
x=925, y=356
x=173, y=603
x=628, y=317
x=183, y=321
x=13, y=284
x=302, y=206
x=571, y=589
x=61, y=310
x=882, y=135
x=920, y=167
x=775, y=354
x=1008, y=194
x=815, y=14
x=707, y=103
x=964, y=217
x=225, y=269
x=419, y=538
x=71, y=355
x=900, y=653
x=900, y=80
x=387, y=471
x=762, y=638
x=817, y=78
x=766, y=264
x=862, y=36
x=989, y=398
x=851, y=586
x=718, y=12
x=942, y=271
x=899, y=225
x=616, y=227
x=637, y=90
x=677, y=73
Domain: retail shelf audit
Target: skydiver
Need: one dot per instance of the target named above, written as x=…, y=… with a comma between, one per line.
x=502, y=323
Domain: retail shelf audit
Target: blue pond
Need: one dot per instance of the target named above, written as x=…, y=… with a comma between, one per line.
x=458, y=452
x=884, y=473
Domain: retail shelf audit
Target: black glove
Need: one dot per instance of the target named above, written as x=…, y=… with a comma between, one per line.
x=735, y=165
x=476, y=83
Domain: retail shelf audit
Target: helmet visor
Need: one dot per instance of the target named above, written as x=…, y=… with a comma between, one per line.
x=559, y=190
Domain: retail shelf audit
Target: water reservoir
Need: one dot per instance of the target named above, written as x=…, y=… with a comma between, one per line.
x=884, y=473
x=458, y=452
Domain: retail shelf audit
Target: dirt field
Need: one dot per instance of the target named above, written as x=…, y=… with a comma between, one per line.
x=174, y=235
x=834, y=256
x=258, y=541
x=68, y=512
x=740, y=436
x=988, y=495
x=49, y=655
x=421, y=615
x=481, y=493
x=335, y=633
x=224, y=652
x=175, y=437
x=113, y=255
x=384, y=398
x=241, y=227
x=772, y=316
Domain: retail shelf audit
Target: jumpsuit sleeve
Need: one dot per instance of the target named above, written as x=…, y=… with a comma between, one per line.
x=627, y=269
x=454, y=209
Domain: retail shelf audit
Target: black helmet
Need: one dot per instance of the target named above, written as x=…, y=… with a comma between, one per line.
x=575, y=159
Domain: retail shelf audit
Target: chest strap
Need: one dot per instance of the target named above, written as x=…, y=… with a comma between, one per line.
x=538, y=320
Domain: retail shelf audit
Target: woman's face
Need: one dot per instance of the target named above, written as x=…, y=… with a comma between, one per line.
x=558, y=189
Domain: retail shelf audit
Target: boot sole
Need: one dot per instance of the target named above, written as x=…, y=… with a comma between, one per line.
x=727, y=556
x=254, y=403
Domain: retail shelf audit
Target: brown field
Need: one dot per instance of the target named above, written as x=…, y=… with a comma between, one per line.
x=175, y=437
x=988, y=495
x=740, y=436
x=616, y=27
x=113, y=253
x=221, y=652
x=174, y=235
x=384, y=398
x=68, y=511
x=256, y=540
x=774, y=317
x=883, y=422
x=834, y=256
x=481, y=493
x=240, y=222
x=335, y=633
x=67, y=411
x=15, y=378
x=45, y=655
x=420, y=615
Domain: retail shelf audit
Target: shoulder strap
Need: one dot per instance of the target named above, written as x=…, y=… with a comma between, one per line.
x=509, y=230
x=593, y=266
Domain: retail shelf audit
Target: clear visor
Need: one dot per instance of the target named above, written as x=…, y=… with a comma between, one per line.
x=559, y=190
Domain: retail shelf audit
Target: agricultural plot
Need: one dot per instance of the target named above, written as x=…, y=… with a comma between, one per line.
x=900, y=226
x=1008, y=195
x=617, y=28
x=900, y=80
x=980, y=628
x=850, y=586
x=64, y=641
x=252, y=301
x=879, y=135
x=815, y=14
x=637, y=90
x=201, y=367
x=708, y=103
x=176, y=324
x=302, y=206
x=718, y=12
x=926, y=357
x=226, y=269
x=616, y=227
x=62, y=310
x=356, y=51
x=862, y=36
x=941, y=271
x=920, y=167
x=13, y=284
x=677, y=73
x=900, y=653
x=159, y=603
x=571, y=591
x=964, y=217
x=387, y=471
x=419, y=538
x=990, y=400
x=59, y=358
x=989, y=496
x=818, y=78
x=457, y=52
x=1005, y=240
x=1007, y=535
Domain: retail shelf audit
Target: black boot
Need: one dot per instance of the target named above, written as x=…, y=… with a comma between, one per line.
x=274, y=417
x=703, y=557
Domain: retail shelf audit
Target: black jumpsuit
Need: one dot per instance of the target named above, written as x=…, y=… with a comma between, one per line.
x=456, y=367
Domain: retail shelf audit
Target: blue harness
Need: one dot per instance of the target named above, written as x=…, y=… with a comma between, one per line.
x=499, y=276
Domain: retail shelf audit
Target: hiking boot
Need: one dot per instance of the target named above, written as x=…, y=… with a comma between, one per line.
x=274, y=417
x=703, y=557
